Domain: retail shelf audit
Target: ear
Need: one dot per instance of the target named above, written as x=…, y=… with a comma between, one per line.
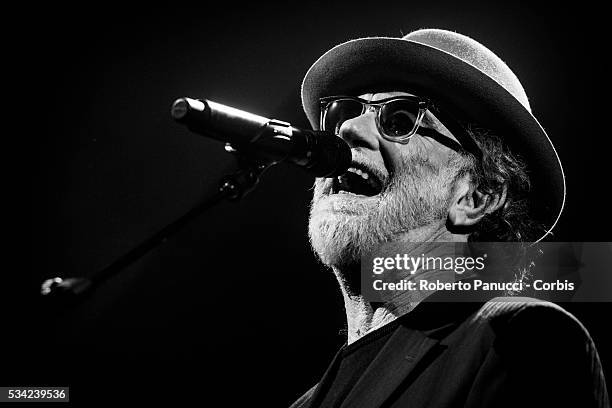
x=470, y=205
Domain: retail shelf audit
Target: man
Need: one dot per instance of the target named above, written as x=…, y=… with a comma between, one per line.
x=445, y=149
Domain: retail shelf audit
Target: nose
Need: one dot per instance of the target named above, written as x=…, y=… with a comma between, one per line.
x=361, y=131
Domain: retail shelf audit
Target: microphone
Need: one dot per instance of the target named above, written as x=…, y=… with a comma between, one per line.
x=322, y=154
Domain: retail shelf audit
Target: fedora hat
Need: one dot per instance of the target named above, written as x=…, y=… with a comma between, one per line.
x=464, y=79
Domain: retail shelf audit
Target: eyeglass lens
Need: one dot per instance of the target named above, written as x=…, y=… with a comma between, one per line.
x=397, y=117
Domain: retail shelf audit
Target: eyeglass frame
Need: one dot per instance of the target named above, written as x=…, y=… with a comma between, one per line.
x=423, y=104
x=466, y=143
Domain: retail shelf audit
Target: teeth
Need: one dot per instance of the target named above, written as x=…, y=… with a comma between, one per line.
x=342, y=181
x=363, y=174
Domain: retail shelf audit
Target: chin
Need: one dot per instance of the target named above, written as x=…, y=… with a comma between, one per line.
x=332, y=239
x=344, y=226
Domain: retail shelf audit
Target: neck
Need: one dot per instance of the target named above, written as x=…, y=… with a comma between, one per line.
x=364, y=317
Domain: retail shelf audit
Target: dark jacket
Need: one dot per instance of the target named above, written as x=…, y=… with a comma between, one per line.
x=507, y=352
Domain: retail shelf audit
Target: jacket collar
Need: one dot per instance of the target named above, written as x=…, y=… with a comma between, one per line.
x=415, y=343
x=402, y=353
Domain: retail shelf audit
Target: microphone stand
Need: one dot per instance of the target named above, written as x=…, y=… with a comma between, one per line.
x=234, y=186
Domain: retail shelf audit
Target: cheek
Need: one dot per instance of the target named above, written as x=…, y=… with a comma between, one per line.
x=426, y=148
x=392, y=154
x=440, y=156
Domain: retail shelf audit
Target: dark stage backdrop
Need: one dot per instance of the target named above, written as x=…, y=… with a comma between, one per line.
x=235, y=307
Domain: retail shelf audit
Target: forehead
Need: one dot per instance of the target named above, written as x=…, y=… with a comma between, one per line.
x=376, y=96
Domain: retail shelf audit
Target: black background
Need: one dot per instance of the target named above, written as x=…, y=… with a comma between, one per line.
x=235, y=307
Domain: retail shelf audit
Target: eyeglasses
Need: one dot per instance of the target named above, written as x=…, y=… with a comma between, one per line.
x=397, y=118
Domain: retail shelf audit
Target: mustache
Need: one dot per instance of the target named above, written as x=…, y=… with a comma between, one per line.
x=377, y=169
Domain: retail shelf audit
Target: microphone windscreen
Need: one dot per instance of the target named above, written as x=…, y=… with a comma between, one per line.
x=331, y=155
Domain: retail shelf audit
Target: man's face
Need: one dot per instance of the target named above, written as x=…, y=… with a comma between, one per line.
x=407, y=186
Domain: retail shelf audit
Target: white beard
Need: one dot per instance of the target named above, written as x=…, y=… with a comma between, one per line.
x=342, y=227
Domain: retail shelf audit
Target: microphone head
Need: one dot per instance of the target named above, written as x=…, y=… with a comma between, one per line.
x=182, y=107
x=332, y=155
x=66, y=292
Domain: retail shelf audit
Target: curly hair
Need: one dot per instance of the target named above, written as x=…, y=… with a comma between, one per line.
x=499, y=167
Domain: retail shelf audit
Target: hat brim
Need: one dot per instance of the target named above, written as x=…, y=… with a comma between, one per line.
x=383, y=64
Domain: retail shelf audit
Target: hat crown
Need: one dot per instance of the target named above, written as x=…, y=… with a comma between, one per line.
x=475, y=54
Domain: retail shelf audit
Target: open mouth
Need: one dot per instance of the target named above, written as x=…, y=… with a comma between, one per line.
x=357, y=180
